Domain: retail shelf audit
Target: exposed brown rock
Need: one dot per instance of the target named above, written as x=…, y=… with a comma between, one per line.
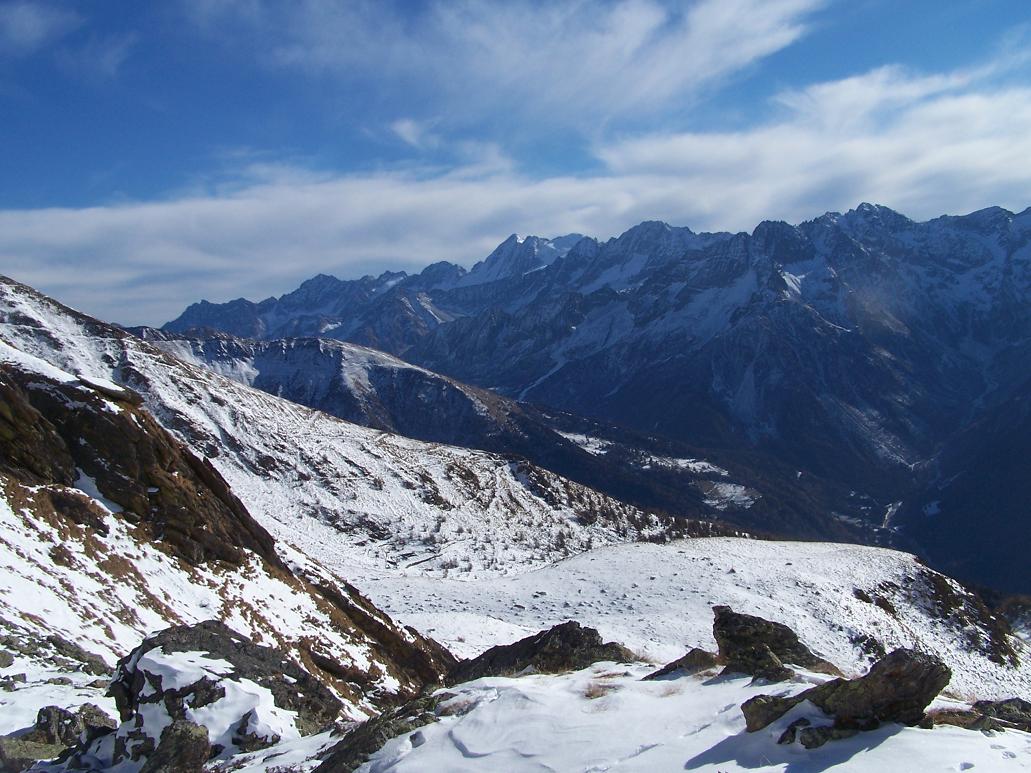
x=53, y=428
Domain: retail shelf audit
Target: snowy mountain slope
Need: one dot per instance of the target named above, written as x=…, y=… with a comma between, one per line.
x=394, y=501
x=383, y=392
x=110, y=530
x=848, y=603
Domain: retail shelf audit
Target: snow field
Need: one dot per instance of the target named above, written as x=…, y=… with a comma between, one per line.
x=605, y=719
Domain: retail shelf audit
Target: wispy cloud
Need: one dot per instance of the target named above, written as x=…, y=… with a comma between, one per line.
x=922, y=143
x=27, y=26
x=98, y=58
x=566, y=62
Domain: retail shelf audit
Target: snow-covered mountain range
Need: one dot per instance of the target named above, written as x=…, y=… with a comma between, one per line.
x=142, y=490
x=839, y=356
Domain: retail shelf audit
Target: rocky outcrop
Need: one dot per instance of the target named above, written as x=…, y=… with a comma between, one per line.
x=566, y=647
x=141, y=680
x=55, y=730
x=192, y=692
x=752, y=645
x=760, y=662
x=898, y=688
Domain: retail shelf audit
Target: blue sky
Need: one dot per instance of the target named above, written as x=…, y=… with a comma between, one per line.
x=152, y=154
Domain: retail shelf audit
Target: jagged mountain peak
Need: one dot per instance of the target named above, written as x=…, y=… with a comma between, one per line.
x=868, y=215
x=516, y=256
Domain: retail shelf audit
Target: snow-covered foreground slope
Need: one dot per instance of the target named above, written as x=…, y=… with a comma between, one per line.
x=657, y=600
x=391, y=501
x=605, y=719
x=111, y=531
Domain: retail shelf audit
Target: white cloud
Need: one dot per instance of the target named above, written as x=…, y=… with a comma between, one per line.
x=567, y=62
x=27, y=26
x=924, y=144
x=414, y=133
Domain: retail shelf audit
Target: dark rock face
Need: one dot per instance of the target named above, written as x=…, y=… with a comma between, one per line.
x=55, y=725
x=752, y=645
x=812, y=737
x=694, y=661
x=566, y=647
x=897, y=688
x=1013, y=712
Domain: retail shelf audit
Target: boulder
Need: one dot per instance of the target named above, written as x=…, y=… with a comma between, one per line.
x=898, y=688
x=88, y=662
x=694, y=661
x=759, y=661
x=234, y=657
x=740, y=639
x=566, y=647
x=810, y=737
x=55, y=725
x=183, y=748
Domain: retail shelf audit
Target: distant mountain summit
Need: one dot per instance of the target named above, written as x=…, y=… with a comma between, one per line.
x=849, y=349
x=517, y=256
